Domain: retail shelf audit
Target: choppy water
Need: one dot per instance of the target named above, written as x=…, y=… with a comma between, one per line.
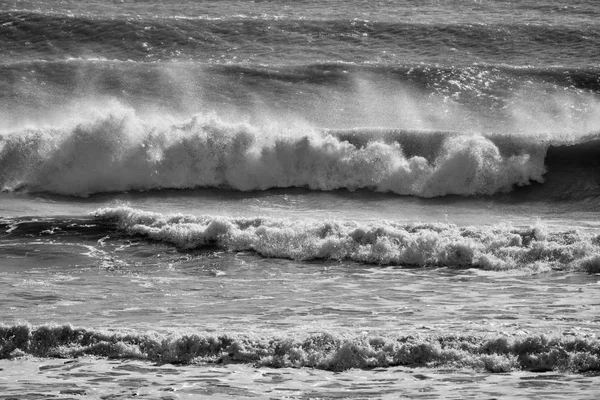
x=299, y=199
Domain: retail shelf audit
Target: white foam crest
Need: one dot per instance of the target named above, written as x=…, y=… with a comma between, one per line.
x=487, y=247
x=120, y=150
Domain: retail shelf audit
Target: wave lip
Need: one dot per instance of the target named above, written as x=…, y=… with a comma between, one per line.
x=418, y=244
x=321, y=351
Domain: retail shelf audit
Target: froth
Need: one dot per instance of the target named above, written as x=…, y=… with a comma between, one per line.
x=485, y=247
x=120, y=150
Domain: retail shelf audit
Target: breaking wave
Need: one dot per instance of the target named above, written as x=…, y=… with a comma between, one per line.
x=418, y=244
x=122, y=152
x=321, y=351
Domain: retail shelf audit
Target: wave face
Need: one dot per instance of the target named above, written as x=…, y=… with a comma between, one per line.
x=492, y=248
x=320, y=351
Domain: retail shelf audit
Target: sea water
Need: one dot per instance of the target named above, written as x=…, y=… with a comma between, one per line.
x=315, y=199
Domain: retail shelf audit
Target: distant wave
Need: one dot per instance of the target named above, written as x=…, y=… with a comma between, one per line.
x=176, y=38
x=493, y=353
x=119, y=151
x=434, y=244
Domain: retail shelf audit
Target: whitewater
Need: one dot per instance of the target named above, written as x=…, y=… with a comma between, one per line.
x=317, y=199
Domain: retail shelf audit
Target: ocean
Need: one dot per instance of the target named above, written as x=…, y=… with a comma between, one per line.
x=299, y=199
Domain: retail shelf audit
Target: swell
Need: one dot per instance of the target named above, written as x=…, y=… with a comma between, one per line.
x=532, y=352
x=176, y=38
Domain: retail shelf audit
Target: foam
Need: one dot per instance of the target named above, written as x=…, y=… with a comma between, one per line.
x=497, y=248
x=118, y=150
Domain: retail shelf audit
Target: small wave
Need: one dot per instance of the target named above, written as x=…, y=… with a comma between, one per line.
x=322, y=351
x=495, y=247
